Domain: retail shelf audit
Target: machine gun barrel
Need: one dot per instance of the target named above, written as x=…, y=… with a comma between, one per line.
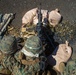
x=41, y=32
x=39, y=24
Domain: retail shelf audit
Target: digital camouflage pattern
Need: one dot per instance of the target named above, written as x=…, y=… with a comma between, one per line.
x=8, y=44
x=14, y=67
x=70, y=68
x=31, y=64
x=34, y=64
x=33, y=44
x=16, y=63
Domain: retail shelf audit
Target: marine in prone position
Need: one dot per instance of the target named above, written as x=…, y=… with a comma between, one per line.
x=30, y=60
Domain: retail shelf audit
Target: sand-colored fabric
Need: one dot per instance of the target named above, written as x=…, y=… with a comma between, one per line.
x=31, y=16
x=60, y=55
x=28, y=16
x=54, y=17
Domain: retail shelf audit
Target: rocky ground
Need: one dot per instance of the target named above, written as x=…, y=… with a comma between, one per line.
x=67, y=9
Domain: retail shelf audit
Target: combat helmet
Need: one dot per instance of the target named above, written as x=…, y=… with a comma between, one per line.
x=8, y=44
x=32, y=47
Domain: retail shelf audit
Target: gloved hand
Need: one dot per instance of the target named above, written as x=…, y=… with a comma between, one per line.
x=60, y=55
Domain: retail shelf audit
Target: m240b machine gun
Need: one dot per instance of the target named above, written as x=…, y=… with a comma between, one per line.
x=41, y=30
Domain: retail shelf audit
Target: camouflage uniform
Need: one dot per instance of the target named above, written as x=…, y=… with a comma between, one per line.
x=35, y=64
x=16, y=63
x=8, y=64
x=70, y=68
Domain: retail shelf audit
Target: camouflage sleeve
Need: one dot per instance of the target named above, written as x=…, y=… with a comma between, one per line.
x=25, y=69
x=19, y=56
x=4, y=71
x=70, y=68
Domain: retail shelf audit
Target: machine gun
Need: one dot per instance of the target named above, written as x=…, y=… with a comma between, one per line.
x=39, y=24
x=41, y=30
x=4, y=23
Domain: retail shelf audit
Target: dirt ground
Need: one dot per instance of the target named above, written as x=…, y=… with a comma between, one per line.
x=20, y=7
